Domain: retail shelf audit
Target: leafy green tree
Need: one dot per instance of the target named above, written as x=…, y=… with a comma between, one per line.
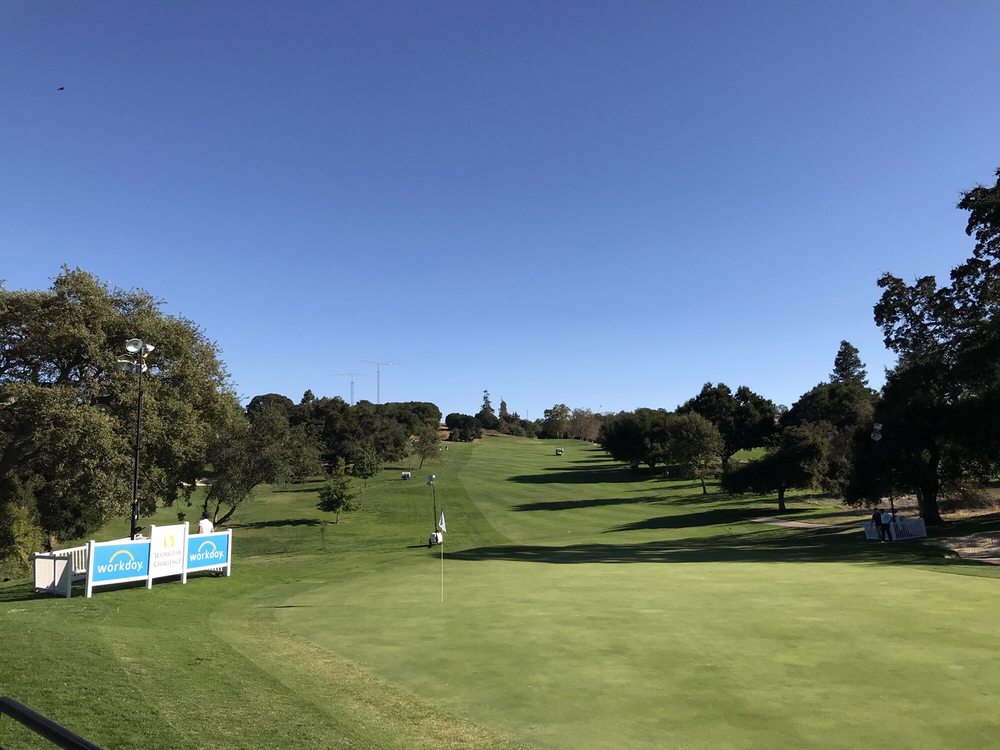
x=847, y=366
x=263, y=449
x=426, y=443
x=271, y=401
x=584, y=424
x=799, y=460
x=621, y=436
x=462, y=428
x=744, y=419
x=366, y=465
x=693, y=446
x=847, y=406
x=381, y=425
x=20, y=534
x=67, y=418
x=337, y=495
x=637, y=437
x=555, y=422
x=503, y=415
x=487, y=417
x=941, y=402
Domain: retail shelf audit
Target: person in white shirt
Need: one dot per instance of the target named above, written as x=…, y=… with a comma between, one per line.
x=205, y=525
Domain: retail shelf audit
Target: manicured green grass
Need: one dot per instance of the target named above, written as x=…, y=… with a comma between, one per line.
x=585, y=605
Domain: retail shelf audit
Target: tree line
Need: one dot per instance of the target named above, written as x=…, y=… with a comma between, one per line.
x=68, y=418
x=557, y=422
x=934, y=426
x=67, y=412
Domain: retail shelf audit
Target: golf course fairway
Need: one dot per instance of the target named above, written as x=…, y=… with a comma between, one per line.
x=578, y=604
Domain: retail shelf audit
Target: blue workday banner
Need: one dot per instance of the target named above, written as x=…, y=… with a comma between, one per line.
x=119, y=562
x=207, y=551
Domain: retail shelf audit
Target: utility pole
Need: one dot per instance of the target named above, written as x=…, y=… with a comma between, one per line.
x=378, y=376
x=352, y=376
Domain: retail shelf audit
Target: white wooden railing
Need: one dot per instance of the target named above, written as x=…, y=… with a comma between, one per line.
x=902, y=528
x=56, y=571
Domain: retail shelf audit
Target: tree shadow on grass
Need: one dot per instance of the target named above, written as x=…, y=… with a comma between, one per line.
x=23, y=592
x=280, y=522
x=559, y=475
x=807, y=546
x=289, y=490
x=588, y=503
x=713, y=517
x=984, y=524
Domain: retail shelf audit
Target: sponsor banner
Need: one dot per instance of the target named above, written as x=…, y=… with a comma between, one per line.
x=119, y=561
x=207, y=551
x=166, y=550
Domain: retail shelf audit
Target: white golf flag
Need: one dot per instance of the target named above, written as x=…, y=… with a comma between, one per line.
x=441, y=522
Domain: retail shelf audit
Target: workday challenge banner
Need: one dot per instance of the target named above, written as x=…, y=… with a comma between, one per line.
x=207, y=550
x=119, y=561
x=166, y=550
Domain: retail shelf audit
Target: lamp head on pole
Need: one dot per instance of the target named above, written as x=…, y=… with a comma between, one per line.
x=133, y=346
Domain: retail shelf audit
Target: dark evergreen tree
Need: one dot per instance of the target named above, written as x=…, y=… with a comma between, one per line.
x=847, y=366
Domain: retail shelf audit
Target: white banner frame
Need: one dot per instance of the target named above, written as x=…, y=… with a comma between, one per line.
x=167, y=538
x=225, y=565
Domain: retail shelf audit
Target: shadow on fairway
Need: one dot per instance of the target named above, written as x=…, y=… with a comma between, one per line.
x=590, y=503
x=559, y=475
x=279, y=522
x=713, y=517
x=805, y=546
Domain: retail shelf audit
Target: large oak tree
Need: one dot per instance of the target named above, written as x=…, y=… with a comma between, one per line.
x=67, y=413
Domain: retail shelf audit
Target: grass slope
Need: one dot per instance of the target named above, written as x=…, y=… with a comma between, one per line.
x=585, y=606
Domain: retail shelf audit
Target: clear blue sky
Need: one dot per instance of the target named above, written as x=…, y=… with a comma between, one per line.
x=600, y=204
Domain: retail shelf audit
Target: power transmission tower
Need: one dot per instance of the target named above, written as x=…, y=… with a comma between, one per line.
x=378, y=376
x=352, y=375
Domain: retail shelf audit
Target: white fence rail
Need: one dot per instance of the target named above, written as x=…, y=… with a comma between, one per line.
x=901, y=528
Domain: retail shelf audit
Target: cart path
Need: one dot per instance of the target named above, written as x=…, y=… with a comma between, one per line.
x=801, y=524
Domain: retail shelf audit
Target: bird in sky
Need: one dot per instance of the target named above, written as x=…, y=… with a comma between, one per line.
x=61, y=88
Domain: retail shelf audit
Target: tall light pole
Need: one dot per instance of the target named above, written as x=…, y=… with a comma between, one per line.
x=877, y=438
x=136, y=363
x=430, y=483
x=378, y=376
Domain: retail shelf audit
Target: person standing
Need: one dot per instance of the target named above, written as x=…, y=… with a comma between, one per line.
x=876, y=522
x=205, y=525
x=885, y=527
